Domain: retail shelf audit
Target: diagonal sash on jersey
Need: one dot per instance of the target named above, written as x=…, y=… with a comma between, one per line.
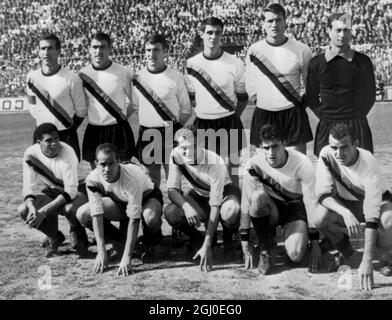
x=98, y=188
x=159, y=106
x=41, y=169
x=285, y=194
x=193, y=180
x=210, y=85
x=278, y=79
x=356, y=192
x=51, y=104
x=109, y=105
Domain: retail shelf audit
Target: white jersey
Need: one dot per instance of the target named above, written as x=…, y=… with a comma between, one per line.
x=291, y=182
x=60, y=172
x=114, y=86
x=362, y=181
x=129, y=188
x=287, y=63
x=208, y=178
x=55, y=98
x=161, y=97
x=216, y=84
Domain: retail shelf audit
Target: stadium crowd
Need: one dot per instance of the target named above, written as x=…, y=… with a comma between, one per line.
x=128, y=21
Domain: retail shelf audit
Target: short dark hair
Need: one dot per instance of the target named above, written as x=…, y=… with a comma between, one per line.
x=53, y=37
x=272, y=132
x=340, y=130
x=156, y=38
x=275, y=8
x=107, y=148
x=333, y=17
x=101, y=36
x=212, y=21
x=44, y=128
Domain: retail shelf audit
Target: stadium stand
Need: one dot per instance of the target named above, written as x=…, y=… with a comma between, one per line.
x=128, y=21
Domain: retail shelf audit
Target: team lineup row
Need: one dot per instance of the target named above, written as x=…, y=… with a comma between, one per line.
x=339, y=88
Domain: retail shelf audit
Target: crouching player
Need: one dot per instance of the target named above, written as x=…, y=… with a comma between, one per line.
x=117, y=192
x=272, y=195
x=350, y=189
x=56, y=164
x=212, y=197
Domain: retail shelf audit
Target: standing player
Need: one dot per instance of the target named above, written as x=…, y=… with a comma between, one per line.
x=272, y=195
x=212, y=197
x=163, y=104
x=109, y=101
x=120, y=192
x=56, y=164
x=216, y=86
x=341, y=85
x=55, y=94
x=350, y=189
x=274, y=67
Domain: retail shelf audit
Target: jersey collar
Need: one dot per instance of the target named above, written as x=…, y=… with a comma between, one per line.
x=331, y=53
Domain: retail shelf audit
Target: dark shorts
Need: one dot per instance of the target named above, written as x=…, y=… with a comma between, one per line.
x=356, y=207
x=294, y=121
x=235, y=139
x=70, y=137
x=162, y=147
x=360, y=126
x=154, y=193
x=290, y=211
x=203, y=202
x=119, y=135
x=53, y=193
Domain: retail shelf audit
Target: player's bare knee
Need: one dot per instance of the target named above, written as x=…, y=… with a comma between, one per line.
x=83, y=215
x=321, y=217
x=152, y=218
x=230, y=212
x=259, y=204
x=296, y=251
x=386, y=220
x=173, y=214
x=22, y=211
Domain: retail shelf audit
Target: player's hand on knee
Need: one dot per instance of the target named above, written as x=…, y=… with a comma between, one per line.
x=205, y=254
x=101, y=262
x=30, y=217
x=191, y=215
x=36, y=222
x=125, y=268
x=353, y=226
x=248, y=254
x=314, y=257
x=365, y=272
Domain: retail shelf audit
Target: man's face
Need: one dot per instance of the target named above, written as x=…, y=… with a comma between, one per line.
x=100, y=52
x=108, y=165
x=275, y=152
x=50, y=144
x=344, y=150
x=188, y=150
x=274, y=25
x=48, y=53
x=340, y=34
x=155, y=55
x=212, y=36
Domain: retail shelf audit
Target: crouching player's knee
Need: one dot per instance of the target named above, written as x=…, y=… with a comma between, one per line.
x=83, y=214
x=259, y=204
x=173, y=214
x=22, y=211
x=230, y=212
x=152, y=219
x=386, y=216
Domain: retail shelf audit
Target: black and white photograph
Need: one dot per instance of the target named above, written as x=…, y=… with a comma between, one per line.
x=209, y=151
